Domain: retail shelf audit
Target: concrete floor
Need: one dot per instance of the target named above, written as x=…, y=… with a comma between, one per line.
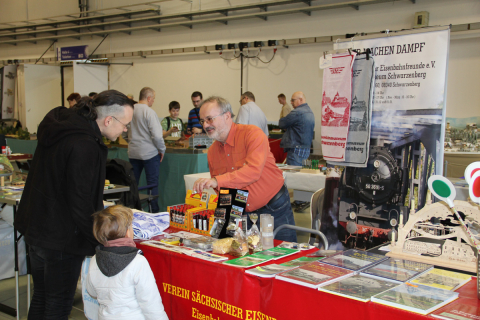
x=7, y=286
x=7, y=297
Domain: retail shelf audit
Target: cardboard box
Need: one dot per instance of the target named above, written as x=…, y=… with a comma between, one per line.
x=197, y=199
x=211, y=220
x=183, y=208
x=212, y=202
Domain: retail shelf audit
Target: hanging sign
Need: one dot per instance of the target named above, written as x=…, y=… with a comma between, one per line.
x=410, y=86
x=7, y=85
x=72, y=53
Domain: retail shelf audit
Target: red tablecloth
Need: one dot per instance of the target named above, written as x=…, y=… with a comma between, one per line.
x=278, y=152
x=197, y=289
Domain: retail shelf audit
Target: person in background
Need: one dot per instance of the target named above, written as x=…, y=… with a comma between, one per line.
x=286, y=108
x=240, y=158
x=64, y=188
x=145, y=142
x=172, y=125
x=250, y=113
x=193, y=126
x=130, y=96
x=299, y=125
x=120, y=270
x=73, y=98
x=92, y=94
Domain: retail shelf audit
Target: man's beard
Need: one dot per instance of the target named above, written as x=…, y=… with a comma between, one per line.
x=215, y=135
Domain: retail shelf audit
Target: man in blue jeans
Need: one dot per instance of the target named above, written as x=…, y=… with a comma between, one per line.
x=145, y=142
x=299, y=123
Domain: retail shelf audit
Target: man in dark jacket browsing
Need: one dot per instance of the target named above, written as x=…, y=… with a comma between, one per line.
x=299, y=125
x=63, y=189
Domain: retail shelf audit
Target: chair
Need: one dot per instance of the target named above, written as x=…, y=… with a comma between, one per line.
x=148, y=197
x=120, y=172
x=316, y=208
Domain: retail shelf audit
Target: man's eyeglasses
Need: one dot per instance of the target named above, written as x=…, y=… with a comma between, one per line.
x=291, y=100
x=125, y=125
x=209, y=119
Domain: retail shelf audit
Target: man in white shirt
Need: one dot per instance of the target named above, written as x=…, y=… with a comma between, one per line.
x=145, y=142
x=250, y=113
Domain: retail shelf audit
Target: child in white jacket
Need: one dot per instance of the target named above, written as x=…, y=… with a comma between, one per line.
x=119, y=275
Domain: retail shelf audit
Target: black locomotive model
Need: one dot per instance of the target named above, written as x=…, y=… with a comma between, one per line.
x=371, y=200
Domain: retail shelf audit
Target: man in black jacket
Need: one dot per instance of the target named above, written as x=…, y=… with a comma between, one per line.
x=63, y=189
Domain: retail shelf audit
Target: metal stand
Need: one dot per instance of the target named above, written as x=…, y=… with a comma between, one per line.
x=288, y=226
x=3, y=308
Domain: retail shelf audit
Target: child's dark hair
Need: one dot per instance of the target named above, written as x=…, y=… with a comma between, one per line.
x=173, y=105
x=109, y=102
x=111, y=223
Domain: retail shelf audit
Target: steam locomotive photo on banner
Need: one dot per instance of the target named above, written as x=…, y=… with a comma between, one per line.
x=407, y=133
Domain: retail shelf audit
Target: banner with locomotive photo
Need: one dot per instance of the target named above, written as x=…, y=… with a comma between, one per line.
x=8, y=80
x=406, y=135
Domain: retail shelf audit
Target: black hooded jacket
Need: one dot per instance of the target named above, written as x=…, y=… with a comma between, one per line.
x=65, y=184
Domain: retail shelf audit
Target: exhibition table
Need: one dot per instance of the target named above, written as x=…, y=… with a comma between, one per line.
x=276, y=150
x=176, y=163
x=457, y=162
x=14, y=200
x=197, y=289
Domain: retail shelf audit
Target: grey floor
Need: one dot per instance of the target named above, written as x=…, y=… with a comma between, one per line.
x=7, y=287
x=7, y=297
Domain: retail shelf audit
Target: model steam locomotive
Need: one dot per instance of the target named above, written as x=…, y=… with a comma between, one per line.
x=371, y=200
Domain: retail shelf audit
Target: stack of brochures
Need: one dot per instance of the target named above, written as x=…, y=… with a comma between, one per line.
x=314, y=275
x=146, y=225
x=195, y=253
x=261, y=257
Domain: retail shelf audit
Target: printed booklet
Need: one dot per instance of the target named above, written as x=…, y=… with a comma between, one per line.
x=314, y=275
x=416, y=298
x=355, y=260
x=466, y=307
x=271, y=270
x=397, y=269
x=359, y=287
x=443, y=279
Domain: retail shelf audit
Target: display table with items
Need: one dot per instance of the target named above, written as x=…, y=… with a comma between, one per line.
x=176, y=163
x=241, y=277
x=195, y=288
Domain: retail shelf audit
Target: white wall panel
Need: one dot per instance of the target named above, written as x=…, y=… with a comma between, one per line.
x=89, y=78
x=42, y=93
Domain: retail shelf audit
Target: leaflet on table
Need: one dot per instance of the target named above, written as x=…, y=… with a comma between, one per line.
x=268, y=271
x=271, y=270
x=185, y=250
x=443, y=279
x=466, y=307
x=183, y=235
x=314, y=275
x=416, y=298
x=359, y=287
x=300, y=262
x=324, y=253
x=276, y=253
x=355, y=260
x=397, y=269
x=247, y=261
x=259, y=257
